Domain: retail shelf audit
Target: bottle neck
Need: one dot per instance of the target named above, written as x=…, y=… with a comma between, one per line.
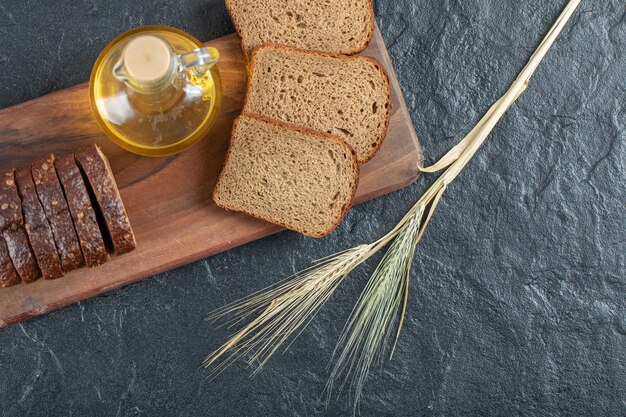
x=149, y=70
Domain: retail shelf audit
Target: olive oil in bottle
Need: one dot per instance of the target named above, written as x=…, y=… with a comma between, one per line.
x=156, y=91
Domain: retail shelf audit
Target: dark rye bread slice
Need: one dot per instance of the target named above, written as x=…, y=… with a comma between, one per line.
x=97, y=170
x=53, y=202
x=9, y=209
x=37, y=226
x=348, y=97
x=83, y=215
x=12, y=227
x=10, y=204
x=22, y=255
x=337, y=26
x=293, y=177
x=8, y=275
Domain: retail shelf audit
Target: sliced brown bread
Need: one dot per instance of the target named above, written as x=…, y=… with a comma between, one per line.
x=348, y=97
x=37, y=226
x=10, y=204
x=12, y=227
x=338, y=26
x=54, y=204
x=294, y=177
x=83, y=215
x=8, y=275
x=21, y=254
x=97, y=170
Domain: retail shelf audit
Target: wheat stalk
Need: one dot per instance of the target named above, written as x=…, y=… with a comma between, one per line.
x=286, y=308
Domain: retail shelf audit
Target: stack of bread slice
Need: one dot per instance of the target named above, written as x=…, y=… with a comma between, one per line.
x=311, y=115
x=51, y=214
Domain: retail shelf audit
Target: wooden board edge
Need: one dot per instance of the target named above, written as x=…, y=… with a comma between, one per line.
x=395, y=85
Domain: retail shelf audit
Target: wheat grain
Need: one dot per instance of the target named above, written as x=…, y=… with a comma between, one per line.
x=286, y=308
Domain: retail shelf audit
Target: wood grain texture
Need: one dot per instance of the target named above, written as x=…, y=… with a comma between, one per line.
x=169, y=199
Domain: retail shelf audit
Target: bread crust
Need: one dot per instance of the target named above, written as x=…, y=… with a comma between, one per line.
x=359, y=49
x=389, y=104
x=306, y=132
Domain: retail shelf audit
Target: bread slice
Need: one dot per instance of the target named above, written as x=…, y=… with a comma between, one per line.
x=37, y=226
x=12, y=228
x=57, y=212
x=22, y=255
x=293, y=177
x=97, y=170
x=348, y=97
x=8, y=275
x=10, y=204
x=338, y=26
x=83, y=214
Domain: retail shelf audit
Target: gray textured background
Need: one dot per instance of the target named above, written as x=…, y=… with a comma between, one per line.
x=518, y=290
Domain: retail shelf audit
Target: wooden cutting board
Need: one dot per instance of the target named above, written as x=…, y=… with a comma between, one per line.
x=169, y=199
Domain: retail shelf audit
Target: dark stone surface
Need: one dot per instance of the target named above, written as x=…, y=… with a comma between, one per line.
x=518, y=290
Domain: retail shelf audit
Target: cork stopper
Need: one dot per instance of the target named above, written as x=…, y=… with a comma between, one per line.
x=147, y=59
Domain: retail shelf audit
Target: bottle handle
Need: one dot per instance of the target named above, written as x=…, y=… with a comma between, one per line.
x=199, y=61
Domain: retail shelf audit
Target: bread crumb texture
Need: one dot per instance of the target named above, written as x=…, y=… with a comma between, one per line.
x=301, y=180
x=348, y=97
x=338, y=26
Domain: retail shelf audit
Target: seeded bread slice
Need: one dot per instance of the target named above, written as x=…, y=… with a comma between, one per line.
x=22, y=255
x=12, y=227
x=293, y=177
x=37, y=226
x=83, y=215
x=348, y=97
x=8, y=275
x=338, y=26
x=53, y=202
x=99, y=175
x=10, y=204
